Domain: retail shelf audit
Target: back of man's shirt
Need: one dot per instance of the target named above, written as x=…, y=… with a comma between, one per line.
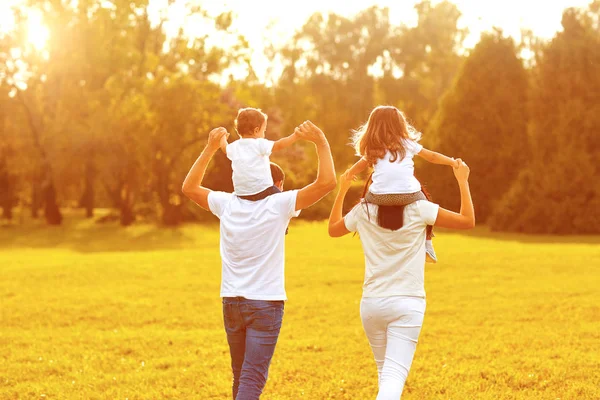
x=253, y=243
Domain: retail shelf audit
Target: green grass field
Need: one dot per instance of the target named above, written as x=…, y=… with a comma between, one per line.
x=99, y=312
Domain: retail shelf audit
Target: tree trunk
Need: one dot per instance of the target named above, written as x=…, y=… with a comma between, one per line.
x=171, y=215
x=127, y=216
x=7, y=211
x=87, y=199
x=51, y=210
x=6, y=192
x=36, y=198
x=7, y=202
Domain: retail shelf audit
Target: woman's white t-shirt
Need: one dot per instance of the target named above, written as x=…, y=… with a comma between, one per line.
x=398, y=176
x=394, y=260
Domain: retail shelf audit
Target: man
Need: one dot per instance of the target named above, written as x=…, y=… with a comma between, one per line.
x=252, y=254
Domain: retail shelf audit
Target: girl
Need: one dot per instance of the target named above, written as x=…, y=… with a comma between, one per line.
x=388, y=143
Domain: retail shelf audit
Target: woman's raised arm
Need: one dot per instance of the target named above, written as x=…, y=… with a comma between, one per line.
x=466, y=218
x=337, y=227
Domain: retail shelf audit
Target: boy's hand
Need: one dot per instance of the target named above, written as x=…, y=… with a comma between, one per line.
x=215, y=136
x=310, y=132
x=457, y=163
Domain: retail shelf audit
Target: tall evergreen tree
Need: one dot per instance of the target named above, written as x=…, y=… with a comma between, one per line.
x=482, y=119
x=559, y=192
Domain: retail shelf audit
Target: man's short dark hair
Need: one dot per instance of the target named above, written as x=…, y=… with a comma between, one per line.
x=277, y=173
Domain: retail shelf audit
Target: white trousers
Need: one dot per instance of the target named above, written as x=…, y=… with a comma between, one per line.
x=392, y=325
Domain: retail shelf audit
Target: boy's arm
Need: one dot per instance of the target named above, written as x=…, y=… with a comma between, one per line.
x=223, y=143
x=358, y=167
x=437, y=158
x=284, y=142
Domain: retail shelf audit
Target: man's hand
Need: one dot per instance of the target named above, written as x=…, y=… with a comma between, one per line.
x=214, y=137
x=325, y=182
x=310, y=132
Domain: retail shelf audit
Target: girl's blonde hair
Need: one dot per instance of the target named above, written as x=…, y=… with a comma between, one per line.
x=385, y=130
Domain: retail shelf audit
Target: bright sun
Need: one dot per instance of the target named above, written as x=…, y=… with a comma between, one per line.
x=37, y=33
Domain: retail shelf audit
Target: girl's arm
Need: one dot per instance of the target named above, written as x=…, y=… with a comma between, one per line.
x=358, y=167
x=284, y=142
x=337, y=227
x=437, y=158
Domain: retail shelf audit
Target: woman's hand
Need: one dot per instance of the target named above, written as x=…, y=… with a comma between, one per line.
x=337, y=226
x=461, y=173
x=465, y=219
x=346, y=180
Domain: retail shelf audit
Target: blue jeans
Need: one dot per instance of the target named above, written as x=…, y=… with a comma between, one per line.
x=252, y=328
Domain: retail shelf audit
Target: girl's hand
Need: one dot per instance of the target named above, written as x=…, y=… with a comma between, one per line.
x=346, y=180
x=457, y=163
x=462, y=172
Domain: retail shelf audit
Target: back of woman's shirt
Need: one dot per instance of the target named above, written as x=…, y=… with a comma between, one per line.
x=394, y=260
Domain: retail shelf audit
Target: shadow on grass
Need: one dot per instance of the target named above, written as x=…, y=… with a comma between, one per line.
x=87, y=236
x=484, y=232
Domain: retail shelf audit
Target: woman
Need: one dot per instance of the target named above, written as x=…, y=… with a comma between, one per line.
x=393, y=301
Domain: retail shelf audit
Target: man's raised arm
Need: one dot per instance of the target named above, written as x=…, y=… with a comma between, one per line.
x=325, y=182
x=192, y=185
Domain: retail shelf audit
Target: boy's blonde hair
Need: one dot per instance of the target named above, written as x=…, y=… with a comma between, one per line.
x=385, y=130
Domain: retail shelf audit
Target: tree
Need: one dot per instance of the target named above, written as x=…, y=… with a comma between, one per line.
x=115, y=101
x=337, y=69
x=8, y=155
x=19, y=69
x=557, y=192
x=482, y=119
x=422, y=61
x=326, y=73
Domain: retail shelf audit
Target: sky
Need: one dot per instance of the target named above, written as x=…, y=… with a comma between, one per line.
x=276, y=20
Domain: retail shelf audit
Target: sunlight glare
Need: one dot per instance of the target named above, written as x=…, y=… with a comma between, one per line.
x=37, y=33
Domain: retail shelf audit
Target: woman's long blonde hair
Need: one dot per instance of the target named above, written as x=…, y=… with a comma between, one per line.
x=385, y=130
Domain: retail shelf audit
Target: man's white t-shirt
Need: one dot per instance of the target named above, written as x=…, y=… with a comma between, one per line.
x=394, y=260
x=252, y=243
x=398, y=176
x=251, y=165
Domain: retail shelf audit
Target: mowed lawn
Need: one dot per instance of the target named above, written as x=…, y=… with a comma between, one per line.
x=94, y=311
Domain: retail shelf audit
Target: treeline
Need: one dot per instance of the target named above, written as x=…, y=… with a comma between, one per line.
x=113, y=111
